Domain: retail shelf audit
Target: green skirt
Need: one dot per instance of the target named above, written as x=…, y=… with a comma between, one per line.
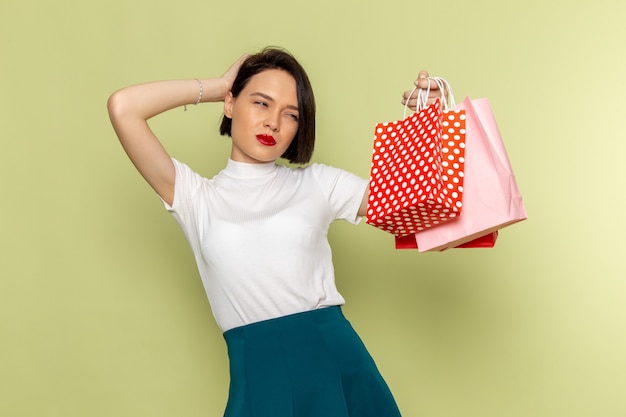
x=310, y=364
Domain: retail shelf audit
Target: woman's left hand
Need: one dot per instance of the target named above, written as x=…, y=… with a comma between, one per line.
x=422, y=83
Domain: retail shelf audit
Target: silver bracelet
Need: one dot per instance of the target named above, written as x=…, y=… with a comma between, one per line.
x=199, y=94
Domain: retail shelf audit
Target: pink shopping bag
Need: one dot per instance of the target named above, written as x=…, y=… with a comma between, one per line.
x=491, y=198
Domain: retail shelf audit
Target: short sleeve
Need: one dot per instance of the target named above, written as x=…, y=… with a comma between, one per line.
x=187, y=188
x=343, y=190
x=186, y=183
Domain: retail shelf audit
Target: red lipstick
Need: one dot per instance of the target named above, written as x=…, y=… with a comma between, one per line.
x=266, y=140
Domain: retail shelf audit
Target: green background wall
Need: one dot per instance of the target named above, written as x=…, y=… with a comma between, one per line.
x=101, y=309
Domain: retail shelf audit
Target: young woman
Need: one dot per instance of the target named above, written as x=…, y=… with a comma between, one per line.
x=258, y=232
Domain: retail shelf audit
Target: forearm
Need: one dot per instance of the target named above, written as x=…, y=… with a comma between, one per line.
x=147, y=100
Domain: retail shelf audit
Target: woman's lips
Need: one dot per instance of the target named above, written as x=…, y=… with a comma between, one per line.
x=266, y=140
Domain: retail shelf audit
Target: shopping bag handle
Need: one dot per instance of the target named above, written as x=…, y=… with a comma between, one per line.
x=423, y=93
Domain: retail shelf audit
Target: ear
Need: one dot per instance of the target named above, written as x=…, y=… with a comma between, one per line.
x=229, y=101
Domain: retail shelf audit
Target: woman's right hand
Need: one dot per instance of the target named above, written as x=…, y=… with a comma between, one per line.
x=228, y=78
x=131, y=107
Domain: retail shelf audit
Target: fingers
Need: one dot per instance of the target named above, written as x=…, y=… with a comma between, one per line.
x=411, y=104
x=409, y=97
x=234, y=68
x=422, y=81
x=426, y=84
x=228, y=78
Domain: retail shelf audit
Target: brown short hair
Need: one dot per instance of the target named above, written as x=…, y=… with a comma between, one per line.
x=301, y=149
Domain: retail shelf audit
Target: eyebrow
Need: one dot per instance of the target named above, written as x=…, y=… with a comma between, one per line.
x=268, y=98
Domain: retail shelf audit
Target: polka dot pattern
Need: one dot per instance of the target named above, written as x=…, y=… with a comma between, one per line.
x=416, y=177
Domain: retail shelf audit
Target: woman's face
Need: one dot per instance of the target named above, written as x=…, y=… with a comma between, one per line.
x=264, y=117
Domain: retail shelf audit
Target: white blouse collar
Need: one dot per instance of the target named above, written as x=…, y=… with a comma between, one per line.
x=248, y=170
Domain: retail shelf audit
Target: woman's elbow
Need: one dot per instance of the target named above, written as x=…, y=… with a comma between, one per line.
x=115, y=105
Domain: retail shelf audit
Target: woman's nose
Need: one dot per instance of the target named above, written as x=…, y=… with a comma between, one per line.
x=272, y=122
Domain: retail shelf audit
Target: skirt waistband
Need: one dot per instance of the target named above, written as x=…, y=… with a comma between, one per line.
x=297, y=319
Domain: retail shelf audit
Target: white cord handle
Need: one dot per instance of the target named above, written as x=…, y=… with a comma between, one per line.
x=422, y=95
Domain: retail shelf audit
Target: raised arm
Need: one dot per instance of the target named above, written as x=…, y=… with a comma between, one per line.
x=130, y=109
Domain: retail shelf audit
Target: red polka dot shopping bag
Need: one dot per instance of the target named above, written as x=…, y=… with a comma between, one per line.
x=491, y=198
x=416, y=177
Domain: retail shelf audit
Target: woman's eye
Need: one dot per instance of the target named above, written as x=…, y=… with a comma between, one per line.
x=293, y=116
x=261, y=103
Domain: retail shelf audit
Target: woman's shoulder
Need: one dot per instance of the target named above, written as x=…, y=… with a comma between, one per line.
x=316, y=168
x=186, y=174
x=326, y=174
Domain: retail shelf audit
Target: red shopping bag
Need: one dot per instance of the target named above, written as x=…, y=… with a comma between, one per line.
x=486, y=241
x=416, y=178
x=491, y=199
